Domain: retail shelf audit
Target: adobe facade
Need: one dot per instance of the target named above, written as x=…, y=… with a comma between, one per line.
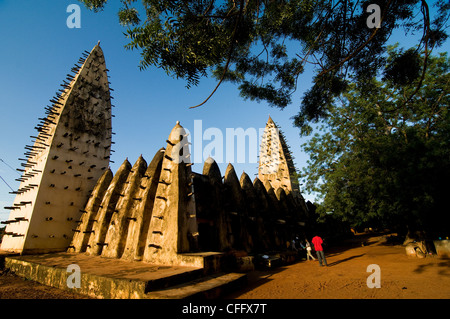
x=157, y=211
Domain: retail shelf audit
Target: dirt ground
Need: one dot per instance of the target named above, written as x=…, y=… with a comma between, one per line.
x=14, y=287
x=401, y=277
x=344, y=278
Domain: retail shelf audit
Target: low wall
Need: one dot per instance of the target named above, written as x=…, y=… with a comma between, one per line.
x=91, y=285
x=442, y=248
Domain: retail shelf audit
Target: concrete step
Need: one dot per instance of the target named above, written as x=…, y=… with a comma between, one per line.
x=209, y=287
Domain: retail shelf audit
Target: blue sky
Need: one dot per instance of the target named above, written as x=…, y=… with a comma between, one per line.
x=38, y=50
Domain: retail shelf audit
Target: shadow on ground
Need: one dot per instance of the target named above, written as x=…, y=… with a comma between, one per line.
x=344, y=260
x=255, y=279
x=444, y=267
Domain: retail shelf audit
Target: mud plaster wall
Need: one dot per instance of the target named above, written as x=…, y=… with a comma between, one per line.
x=68, y=156
x=160, y=202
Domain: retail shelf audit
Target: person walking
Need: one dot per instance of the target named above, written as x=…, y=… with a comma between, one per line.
x=293, y=245
x=308, y=251
x=317, y=242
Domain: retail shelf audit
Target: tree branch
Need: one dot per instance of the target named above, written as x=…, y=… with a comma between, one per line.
x=230, y=53
x=426, y=36
x=354, y=53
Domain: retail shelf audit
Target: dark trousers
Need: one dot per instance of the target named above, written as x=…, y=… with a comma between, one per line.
x=321, y=257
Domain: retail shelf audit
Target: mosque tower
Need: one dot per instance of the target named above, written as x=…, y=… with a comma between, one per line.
x=276, y=167
x=70, y=152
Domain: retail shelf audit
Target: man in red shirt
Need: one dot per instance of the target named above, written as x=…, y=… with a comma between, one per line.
x=317, y=242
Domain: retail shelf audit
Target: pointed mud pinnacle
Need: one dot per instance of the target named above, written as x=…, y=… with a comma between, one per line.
x=70, y=121
x=173, y=225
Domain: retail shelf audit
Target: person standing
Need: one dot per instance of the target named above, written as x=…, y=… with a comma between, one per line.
x=317, y=242
x=308, y=251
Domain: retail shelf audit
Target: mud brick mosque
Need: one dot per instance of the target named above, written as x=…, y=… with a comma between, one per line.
x=69, y=203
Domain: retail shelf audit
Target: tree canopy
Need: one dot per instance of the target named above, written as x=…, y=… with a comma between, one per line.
x=263, y=45
x=383, y=158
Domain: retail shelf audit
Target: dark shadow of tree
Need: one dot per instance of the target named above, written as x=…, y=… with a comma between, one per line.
x=444, y=266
